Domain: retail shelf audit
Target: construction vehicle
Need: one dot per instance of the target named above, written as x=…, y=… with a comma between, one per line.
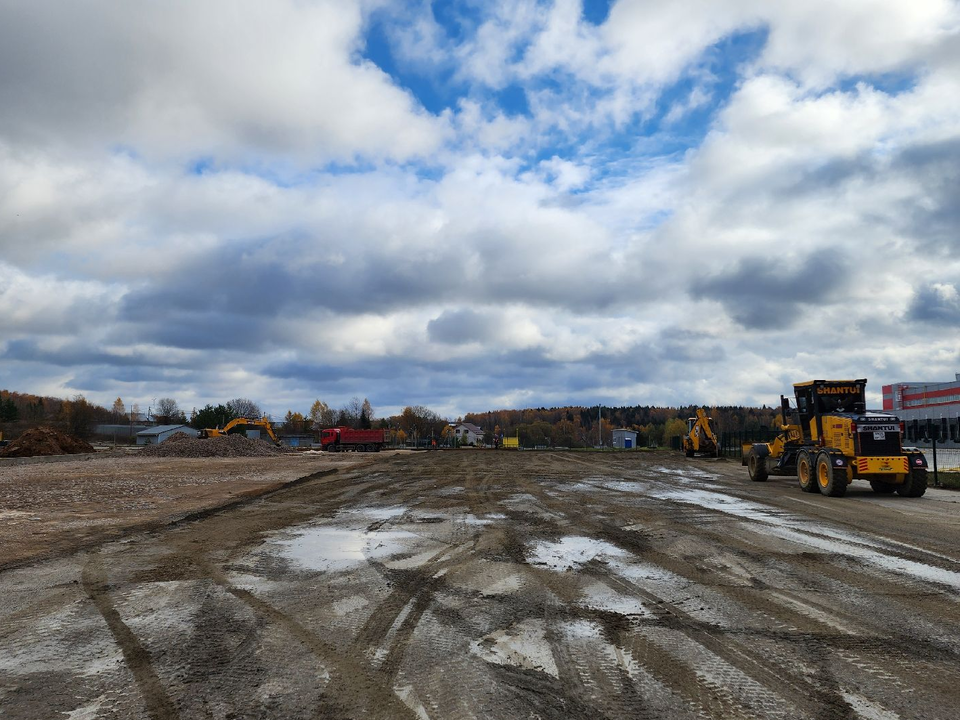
x=259, y=423
x=346, y=439
x=830, y=439
x=700, y=437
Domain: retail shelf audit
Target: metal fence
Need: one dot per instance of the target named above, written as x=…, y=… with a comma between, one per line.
x=732, y=442
x=944, y=463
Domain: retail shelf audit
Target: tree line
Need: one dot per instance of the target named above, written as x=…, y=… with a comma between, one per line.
x=567, y=426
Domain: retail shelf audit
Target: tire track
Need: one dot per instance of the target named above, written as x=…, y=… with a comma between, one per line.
x=158, y=704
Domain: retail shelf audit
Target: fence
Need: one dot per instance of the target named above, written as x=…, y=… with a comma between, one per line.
x=732, y=442
x=944, y=464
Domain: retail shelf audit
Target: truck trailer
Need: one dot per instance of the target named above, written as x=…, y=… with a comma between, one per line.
x=345, y=439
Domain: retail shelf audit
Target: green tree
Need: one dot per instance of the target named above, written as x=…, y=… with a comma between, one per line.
x=211, y=417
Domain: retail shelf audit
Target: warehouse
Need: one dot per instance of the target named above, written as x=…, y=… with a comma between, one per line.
x=929, y=410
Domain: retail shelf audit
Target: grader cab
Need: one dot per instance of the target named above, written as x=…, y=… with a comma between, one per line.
x=829, y=439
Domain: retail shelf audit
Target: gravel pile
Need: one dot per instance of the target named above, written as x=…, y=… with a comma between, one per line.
x=183, y=445
x=45, y=441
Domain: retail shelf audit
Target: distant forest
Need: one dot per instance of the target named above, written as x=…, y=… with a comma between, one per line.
x=577, y=426
x=572, y=426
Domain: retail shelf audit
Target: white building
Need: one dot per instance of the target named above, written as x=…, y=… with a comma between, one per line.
x=467, y=434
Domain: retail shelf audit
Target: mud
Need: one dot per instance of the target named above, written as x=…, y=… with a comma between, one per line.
x=44, y=440
x=503, y=585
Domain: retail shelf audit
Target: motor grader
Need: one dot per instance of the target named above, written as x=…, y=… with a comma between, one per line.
x=829, y=439
x=700, y=437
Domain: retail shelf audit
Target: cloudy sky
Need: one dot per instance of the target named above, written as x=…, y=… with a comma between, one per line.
x=476, y=204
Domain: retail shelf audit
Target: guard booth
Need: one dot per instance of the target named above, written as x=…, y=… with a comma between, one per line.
x=625, y=439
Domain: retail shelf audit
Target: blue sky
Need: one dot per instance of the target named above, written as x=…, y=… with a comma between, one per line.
x=473, y=205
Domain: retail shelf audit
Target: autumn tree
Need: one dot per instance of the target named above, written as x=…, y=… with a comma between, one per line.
x=77, y=416
x=118, y=410
x=321, y=415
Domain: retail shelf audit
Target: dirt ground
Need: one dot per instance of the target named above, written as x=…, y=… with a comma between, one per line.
x=50, y=508
x=492, y=585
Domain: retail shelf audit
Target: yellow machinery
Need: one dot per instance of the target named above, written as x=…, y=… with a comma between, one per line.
x=262, y=424
x=830, y=439
x=700, y=437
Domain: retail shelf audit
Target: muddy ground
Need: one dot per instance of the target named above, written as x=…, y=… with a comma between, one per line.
x=503, y=585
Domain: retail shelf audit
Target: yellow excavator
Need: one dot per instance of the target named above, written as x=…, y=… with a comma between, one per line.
x=700, y=437
x=261, y=423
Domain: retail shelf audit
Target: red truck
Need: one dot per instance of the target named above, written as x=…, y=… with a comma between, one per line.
x=344, y=439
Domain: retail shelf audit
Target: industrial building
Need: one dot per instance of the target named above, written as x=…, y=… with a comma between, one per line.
x=155, y=435
x=625, y=439
x=929, y=410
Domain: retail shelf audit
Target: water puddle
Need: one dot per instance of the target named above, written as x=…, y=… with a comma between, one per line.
x=572, y=552
x=338, y=548
x=602, y=597
x=522, y=645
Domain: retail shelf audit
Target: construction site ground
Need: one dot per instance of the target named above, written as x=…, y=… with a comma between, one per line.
x=470, y=584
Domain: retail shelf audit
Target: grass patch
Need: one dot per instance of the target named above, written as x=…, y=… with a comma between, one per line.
x=949, y=479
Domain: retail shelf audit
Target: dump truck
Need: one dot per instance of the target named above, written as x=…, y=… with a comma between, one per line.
x=830, y=439
x=700, y=437
x=345, y=439
x=258, y=423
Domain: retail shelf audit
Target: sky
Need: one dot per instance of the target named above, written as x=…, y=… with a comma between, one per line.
x=473, y=205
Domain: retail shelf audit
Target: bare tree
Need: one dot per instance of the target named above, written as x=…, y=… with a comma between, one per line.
x=168, y=411
x=244, y=407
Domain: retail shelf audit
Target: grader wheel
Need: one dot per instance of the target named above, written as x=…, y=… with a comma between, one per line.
x=831, y=480
x=805, y=473
x=757, y=467
x=915, y=485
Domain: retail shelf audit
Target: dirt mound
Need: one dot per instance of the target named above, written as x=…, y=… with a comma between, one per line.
x=183, y=445
x=45, y=441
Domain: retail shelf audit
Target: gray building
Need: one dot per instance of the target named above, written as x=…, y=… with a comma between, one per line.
x=155, y=435
x=625, y=439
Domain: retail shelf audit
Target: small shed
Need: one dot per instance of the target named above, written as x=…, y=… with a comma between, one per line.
x=625, y=439
x=156, y=435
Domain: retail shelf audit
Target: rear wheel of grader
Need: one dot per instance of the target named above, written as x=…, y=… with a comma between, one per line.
x=915, y=485
x=805, y=476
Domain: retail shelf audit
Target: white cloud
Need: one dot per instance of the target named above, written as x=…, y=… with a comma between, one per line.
x=239, y=80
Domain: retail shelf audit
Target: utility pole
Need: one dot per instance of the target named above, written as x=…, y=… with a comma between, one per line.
x=599, y=427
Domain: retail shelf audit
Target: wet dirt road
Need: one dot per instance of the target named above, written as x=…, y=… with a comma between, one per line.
x=504, y=585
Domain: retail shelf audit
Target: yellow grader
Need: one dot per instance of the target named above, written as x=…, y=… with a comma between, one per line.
x=830, y=439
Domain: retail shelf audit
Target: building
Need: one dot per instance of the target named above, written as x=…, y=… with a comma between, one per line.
x=155, y=435
x=930, y=410
x=467, y=434
x=625, y=439
x=301, y=440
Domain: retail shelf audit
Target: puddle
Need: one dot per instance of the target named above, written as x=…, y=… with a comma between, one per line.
x=891, y=563
x=337, y=548
x=572, y=552
x=684, y=473
x=523, y=645
x=602, y=597
x=795, y=529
